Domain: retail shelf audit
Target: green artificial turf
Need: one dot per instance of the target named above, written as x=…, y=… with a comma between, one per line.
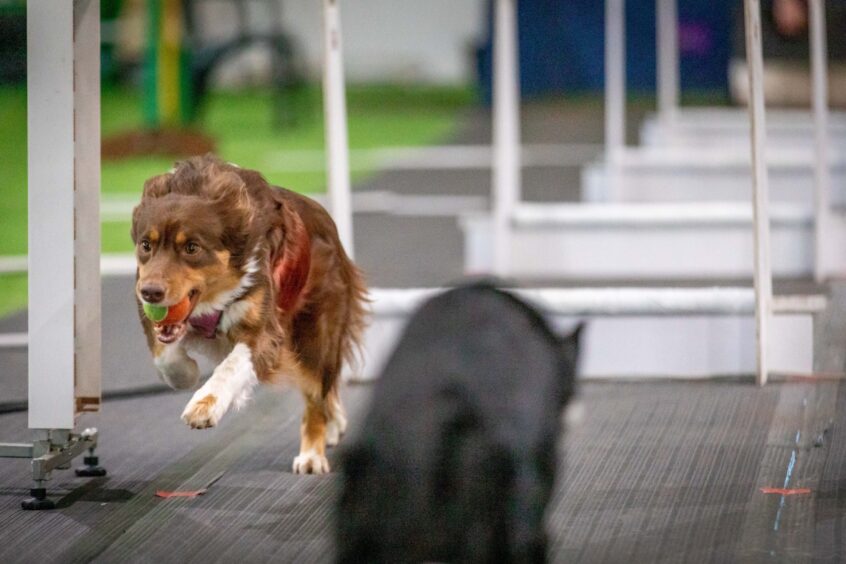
x=243, y=127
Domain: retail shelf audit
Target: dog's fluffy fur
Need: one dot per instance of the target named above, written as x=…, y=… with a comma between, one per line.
x=267, y=267
x=456, y=458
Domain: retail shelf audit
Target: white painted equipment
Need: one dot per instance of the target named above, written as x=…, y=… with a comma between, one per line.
x=728, y=128
x=715, y=234
x=699, y=174
x=637, y=331
x=63, y=108
x=335, y=108
x=648, y=241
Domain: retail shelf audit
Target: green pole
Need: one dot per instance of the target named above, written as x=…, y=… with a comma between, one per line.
x=151, y=64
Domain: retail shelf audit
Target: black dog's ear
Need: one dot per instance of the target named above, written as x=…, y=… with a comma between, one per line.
x=570, y=346
x=572, y=342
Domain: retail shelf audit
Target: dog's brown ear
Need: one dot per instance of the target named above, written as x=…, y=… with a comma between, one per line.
x=133, y=231
x=157, y=186
x=291, y=268
x=228, y=189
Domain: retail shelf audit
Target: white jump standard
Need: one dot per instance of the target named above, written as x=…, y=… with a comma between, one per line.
x=63, y=89
x=733, y=238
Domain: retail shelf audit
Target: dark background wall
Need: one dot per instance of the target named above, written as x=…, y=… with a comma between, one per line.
x=561, y=44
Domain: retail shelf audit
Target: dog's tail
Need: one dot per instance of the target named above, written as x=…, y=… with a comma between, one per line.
x=352, y=341
x=357, y=317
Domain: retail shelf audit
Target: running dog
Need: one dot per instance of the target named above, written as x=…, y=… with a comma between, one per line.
x=256, y=287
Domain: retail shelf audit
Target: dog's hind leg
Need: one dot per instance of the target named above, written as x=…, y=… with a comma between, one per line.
x=231, y=383
x=312, y=457
x=336, y=415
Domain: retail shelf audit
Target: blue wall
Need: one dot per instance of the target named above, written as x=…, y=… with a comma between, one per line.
x=562, y=45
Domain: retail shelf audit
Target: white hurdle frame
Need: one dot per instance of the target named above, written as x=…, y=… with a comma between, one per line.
x=506, y=173
x=822, y=170
x=335, y=116
x=63, y=91
x=615, y=141
x=760, y=186
x=668, y=61
x=667, y=47
x=63, y=125
x=615, y=89
x=615, y=78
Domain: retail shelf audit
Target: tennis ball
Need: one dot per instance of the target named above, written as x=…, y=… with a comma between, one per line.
x=178, y=312
x=173, y=314
x=155, y=312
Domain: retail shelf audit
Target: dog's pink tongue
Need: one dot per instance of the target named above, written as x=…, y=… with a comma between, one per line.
x=206, y=325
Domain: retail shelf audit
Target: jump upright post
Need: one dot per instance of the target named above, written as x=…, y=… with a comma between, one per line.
x=506, y=129
x=615, y=87
x=760, y=186
x=667, y=46
x=822, y=172
x=335, y=116
x=63, y=107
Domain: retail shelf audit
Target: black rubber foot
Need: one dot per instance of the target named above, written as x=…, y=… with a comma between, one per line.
x=92, y=468
x=38, y=501
x=90, y=471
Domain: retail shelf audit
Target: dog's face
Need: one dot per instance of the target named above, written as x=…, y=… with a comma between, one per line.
x=184, y=246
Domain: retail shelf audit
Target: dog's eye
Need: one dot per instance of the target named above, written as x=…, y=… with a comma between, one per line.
x=145, y=245
x=191, y=247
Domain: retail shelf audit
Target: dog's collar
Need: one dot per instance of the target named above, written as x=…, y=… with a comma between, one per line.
x=206, y=324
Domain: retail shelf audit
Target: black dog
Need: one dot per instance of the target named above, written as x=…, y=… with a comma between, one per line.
x=456, y=458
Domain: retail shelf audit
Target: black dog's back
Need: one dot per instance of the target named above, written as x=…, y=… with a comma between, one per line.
x=456, y=458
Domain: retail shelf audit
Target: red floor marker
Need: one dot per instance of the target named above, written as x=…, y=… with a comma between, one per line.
x=194, y=493
x=189, y=493
x=786, y=491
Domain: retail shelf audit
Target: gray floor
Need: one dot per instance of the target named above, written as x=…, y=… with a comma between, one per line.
x=655, y=471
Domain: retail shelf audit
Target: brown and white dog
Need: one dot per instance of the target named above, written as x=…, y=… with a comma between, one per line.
x=273, y=297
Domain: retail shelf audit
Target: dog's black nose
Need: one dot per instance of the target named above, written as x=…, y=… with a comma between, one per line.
x=152, y=293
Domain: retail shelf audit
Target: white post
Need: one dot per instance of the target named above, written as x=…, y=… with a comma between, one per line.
x=668, y=58
x=335, y=116
x=63, y=109
x=87, y=202
x=615, y=91
x=506, y=130
x=615, y=76
x=760, y=186
x=822, y=174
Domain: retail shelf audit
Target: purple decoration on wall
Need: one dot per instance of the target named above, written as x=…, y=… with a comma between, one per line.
x=695, y=39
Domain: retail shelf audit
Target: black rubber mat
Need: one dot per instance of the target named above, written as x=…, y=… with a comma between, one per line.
x=655, y=472
x=257, y=504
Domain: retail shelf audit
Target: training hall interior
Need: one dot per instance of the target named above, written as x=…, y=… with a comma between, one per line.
x=549, y=280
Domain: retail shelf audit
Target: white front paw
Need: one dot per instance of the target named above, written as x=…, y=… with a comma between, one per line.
x=311, y=463
x=203, y=411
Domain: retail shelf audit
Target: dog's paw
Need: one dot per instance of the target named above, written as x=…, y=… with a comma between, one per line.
x=202, y=412
x=311, y=463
